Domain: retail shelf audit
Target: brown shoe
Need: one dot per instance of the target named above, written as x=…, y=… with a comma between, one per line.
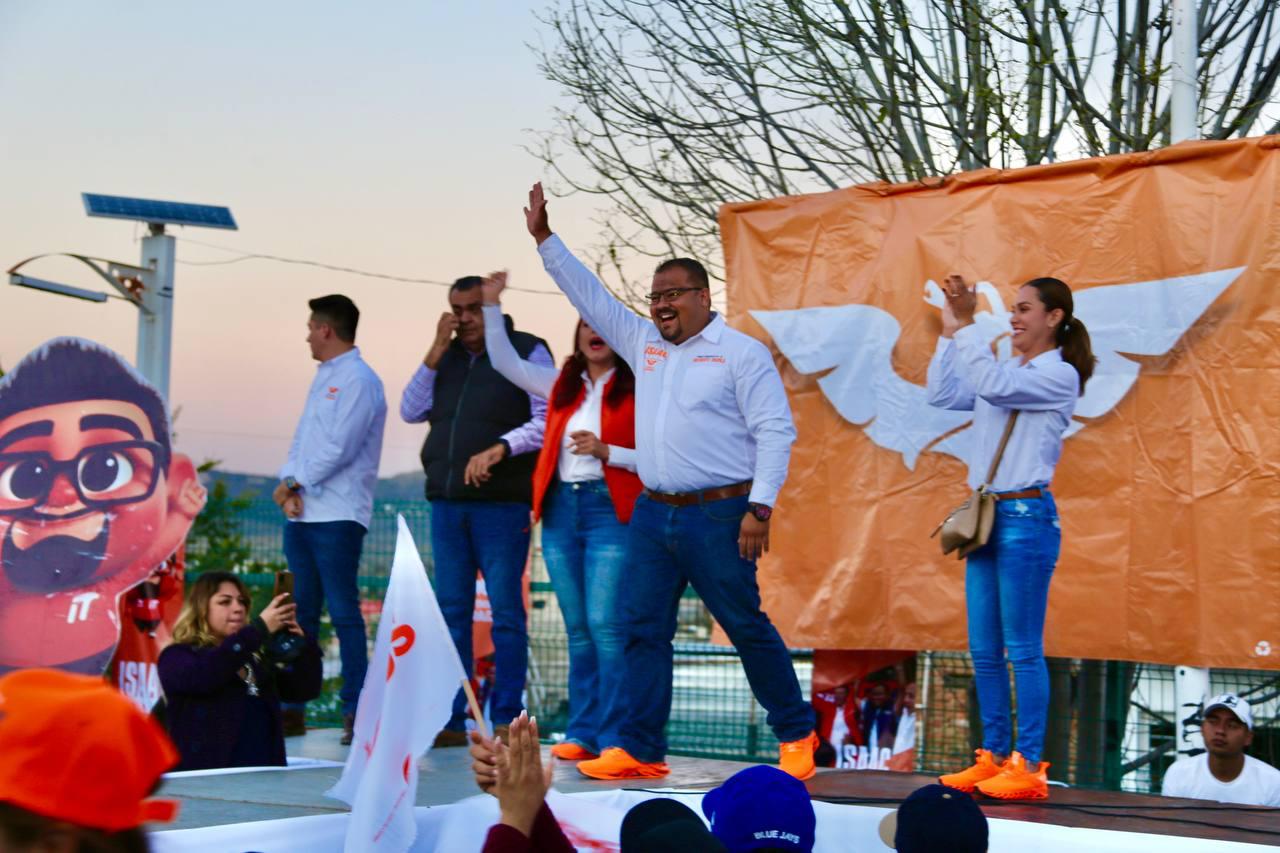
x=348, y=729
x=449, y=737
x=294, y=722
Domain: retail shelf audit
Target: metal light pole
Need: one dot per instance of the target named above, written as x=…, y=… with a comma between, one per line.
x=148, y=285
x=1190, y=683
x=155, y=324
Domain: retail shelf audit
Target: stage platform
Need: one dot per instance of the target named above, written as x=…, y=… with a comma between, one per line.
x=268, y=803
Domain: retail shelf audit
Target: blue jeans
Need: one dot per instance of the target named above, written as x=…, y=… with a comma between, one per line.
x=324, y=557
x=1007, y=591
x=669, y=548
x=586, y=551
x=493, y=537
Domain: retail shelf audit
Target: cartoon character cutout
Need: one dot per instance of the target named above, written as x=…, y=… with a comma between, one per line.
x=93, y=499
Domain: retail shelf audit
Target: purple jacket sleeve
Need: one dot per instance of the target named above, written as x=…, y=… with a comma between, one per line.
x=547, y=837
x=185, y=669
x=528, y=436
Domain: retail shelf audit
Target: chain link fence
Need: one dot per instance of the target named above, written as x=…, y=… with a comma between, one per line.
x=1111, y=724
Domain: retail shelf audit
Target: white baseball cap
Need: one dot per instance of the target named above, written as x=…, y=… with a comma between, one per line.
x=1234, y=704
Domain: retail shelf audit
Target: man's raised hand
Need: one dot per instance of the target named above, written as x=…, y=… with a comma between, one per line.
x=535, y=215
x=492, y=286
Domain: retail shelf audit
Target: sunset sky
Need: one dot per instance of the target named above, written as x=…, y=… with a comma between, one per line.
x=386, y=137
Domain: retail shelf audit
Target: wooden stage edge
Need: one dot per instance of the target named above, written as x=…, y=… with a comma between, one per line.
x=1075, y=807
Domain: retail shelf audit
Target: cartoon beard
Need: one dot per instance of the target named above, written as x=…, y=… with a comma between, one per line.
x=56, y=562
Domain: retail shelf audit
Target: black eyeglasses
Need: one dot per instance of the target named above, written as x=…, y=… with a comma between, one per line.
x=103, y=475
x=660, y=296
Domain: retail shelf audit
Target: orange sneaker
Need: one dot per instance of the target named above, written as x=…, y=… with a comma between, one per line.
x=1016, y=782
x=796, y=757
x=616, y=763
x=983, y=769
x=570, y=751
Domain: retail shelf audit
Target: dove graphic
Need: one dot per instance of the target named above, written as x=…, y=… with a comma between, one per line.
x=855, y=343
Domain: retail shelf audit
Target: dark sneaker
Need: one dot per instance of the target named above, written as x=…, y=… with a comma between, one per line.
x=348, y=729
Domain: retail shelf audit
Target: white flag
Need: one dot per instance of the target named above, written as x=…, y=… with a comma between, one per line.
x=406, y=700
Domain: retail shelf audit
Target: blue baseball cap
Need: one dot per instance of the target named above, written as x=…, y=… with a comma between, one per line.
x=761, y=807
x=936, y=819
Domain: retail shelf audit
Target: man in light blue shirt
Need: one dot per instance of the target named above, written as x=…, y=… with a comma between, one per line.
x=713, y=439
x=326, y=491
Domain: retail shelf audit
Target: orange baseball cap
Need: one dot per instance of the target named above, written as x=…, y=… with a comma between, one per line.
x=73, y=748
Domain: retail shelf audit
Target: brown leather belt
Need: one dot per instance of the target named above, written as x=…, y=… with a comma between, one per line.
x=737, y=490
x=1024, y=495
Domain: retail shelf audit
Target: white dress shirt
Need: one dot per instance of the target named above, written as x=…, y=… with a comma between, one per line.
x=709, y=412
x=336, y=447
x=539, y=380
x=965, y=375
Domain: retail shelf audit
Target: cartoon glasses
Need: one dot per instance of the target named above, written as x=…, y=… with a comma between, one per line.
x=104, y=475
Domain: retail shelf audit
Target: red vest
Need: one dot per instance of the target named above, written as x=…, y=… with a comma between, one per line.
x=617, y=427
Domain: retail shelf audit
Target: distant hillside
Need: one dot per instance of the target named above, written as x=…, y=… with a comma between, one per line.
x=401, y=487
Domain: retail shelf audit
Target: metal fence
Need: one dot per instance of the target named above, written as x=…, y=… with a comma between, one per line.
x=1111, y=724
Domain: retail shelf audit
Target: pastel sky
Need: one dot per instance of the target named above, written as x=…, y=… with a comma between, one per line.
x=383, y=136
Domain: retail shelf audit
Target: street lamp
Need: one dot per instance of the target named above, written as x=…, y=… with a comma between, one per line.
x=148, y=285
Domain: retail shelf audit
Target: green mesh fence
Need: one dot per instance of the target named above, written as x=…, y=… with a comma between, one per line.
x=1111, y=724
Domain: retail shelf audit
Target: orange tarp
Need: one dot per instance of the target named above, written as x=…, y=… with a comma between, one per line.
x=1168, y=491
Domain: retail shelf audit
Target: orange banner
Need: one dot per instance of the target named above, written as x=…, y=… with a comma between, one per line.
x=1169, y=485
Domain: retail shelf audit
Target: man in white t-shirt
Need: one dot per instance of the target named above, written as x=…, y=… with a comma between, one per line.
x=1224, y=773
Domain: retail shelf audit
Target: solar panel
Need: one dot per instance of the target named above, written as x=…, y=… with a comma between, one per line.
x=147, y=210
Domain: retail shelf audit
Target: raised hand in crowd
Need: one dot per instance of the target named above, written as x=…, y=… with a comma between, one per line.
x=960, y=306
x=521, y=781
x=584, y=442
x=492, y=286
x=535, y=215
x=479, y=466
x=444, y=336
x=280, y=613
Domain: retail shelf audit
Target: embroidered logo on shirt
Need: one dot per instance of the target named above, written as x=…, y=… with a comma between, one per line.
x=708, y=359
x=652, y=355
x=333, y=393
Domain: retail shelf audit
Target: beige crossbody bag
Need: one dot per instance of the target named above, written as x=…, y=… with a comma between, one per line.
x=968, y=526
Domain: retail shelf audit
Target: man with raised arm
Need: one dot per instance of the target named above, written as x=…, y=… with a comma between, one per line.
x=713, y=438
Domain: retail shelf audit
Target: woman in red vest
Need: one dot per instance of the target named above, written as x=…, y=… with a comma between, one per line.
x=584, y=488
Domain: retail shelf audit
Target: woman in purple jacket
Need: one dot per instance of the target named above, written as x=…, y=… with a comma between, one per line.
x=223, y=690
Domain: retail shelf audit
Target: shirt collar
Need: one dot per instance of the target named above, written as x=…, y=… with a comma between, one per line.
x=710, y=332
x=352, y=354
x=604, y=378
x=1050, y=357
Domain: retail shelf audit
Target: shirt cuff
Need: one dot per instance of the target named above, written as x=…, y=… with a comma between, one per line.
x=519, y=441
x=968, y=335
x=622, y=457
x=763, y=493
x=551, y=247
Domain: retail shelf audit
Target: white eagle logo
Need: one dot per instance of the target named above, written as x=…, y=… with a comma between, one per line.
x=1143, y=318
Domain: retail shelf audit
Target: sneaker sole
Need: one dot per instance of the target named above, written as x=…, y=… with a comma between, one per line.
x=624, y=774
x=955, y=787
x=1015, y=795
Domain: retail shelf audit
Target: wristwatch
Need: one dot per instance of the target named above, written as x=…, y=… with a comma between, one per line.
x=762, y=512
x=292, y=484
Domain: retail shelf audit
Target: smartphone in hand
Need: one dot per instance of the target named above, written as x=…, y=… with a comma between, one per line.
x=284, y=584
